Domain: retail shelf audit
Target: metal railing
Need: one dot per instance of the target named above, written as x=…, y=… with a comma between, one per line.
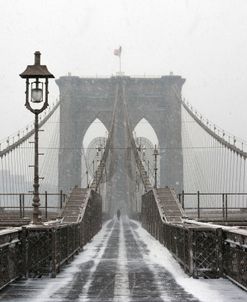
x=33, y=251
x=220, y=206
x=195, y=248
x=203, y=251
x=20, y=204
x=11, y=254
x=235, y=256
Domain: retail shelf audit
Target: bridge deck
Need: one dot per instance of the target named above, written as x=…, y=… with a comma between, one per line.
x=123, y=263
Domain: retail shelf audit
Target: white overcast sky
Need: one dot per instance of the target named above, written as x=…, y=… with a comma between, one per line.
x=205, y=41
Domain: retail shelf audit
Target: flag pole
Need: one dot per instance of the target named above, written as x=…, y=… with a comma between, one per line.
x=120, y=63
x=118, y=52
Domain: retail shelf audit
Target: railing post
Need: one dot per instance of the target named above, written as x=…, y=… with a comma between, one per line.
x=226, y=205
x=23, y=205
x=184, y=250
x=46, y=215
x=198, y=204
x=190, y=247
x=219, y=248
x=20, y=205
x=176, y=242
x=78, y=230
x=67, y=244
x=61, y=199
x=223, y=206
x=54, y=253
x=183, y=199
x=24, y=244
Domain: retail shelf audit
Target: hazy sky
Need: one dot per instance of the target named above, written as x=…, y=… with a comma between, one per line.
x=205, y=41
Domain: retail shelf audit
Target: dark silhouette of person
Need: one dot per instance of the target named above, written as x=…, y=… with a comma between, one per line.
x=118, y=214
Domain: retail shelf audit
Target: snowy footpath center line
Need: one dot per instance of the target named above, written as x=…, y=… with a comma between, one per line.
x=87, y=255
x=121, y=288
x=83, y=296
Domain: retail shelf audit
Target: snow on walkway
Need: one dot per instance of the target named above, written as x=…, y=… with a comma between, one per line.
x=123, y=263
x=206, y=290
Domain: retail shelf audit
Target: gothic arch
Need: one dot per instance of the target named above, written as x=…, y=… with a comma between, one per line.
x=147, y=128
x=95, y=125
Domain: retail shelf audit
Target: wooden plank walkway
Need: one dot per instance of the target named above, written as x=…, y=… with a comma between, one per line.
x=74, y=205
x=116, y=266
x=172, y=211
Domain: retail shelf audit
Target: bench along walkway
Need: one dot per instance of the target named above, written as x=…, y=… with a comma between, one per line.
x=123, y=263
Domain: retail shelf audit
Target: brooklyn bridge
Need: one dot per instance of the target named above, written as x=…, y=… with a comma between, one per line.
x=178, y=181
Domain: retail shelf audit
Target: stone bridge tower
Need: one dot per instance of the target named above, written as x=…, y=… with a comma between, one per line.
x=155, y=99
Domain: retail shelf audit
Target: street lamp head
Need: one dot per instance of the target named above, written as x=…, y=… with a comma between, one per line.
x=36, y=70
x=37, y=75
x=36, y=92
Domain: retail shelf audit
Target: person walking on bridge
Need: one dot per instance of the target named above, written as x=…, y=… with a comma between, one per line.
x=118, y=214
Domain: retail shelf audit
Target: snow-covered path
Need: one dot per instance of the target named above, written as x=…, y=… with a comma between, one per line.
x=123, y=263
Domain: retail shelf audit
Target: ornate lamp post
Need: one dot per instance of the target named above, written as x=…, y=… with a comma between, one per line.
x=155, y=154
x=36, y=101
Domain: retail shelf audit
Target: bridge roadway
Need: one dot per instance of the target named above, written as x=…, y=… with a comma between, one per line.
x=122, y=263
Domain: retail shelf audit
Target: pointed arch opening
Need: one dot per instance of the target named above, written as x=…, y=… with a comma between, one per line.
x=146, y=140
x=144, y=129
x=93, y=144
x=96, y=129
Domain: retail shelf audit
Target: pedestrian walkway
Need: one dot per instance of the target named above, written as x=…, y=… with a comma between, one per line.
x=123, y=263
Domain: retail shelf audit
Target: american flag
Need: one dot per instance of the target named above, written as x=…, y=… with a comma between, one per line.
x=117, y=52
